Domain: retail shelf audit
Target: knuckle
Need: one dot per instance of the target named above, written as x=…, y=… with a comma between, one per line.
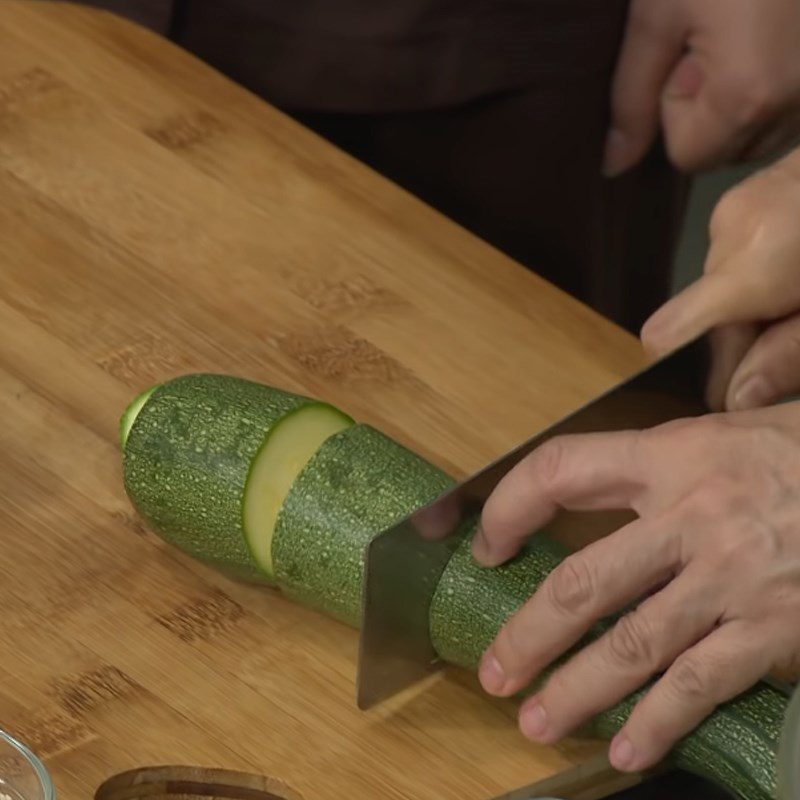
x=787, y=667
x=755, y=540
x=731, y=550
x=792, y=339
x=732, y=208
x=712, y=497
x=691, y=678
x=691, y=434
x=638, y=448
x=630, y=641
x=557, y=684
x=549, y=461
x=737, y=534
x=739, y=209
x=511, y=647
x=715, y=425
x=756, y=100
x=716, y=442
x=667, y=431
x=652, y=441
x=571, y=585
x=736, y=490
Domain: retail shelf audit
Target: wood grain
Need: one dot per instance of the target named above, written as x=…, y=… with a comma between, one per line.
x=157, y=219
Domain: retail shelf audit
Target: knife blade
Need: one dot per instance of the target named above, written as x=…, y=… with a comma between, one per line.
x=404, y=563
x=595, y=779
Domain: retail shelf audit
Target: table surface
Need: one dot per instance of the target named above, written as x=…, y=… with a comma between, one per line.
x=157, y=219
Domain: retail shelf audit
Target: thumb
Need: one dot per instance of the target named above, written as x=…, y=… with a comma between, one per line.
x=770, y=371
x=651, y=47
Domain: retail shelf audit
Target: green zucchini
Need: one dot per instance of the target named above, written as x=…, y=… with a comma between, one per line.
x=735, y=747
x=209, y=459
x=358, y=483
x=131, y=412
x=193, y=450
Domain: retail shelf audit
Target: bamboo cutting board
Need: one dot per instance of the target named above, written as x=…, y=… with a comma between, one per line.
x=156, y=219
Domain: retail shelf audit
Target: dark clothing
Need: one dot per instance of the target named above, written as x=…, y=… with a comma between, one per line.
x=373, y=56
x=534, y=191
x=154, y=14
x=492, y=111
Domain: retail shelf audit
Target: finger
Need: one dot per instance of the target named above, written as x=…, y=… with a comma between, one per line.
x=786, y=672
x=729, y=345
x=651, y=46
x=639, y=645
x=439, y=520
x=579, y=472
x=722, y=665
x=699, y=130
x=587, y=586
x=771, y=369
x=697, y=138
x=719, y=297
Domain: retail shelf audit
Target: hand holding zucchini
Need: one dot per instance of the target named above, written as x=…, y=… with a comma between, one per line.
x=282, y=489
x=712, y=562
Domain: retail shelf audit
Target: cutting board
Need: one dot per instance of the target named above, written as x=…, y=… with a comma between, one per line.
x=157, y=219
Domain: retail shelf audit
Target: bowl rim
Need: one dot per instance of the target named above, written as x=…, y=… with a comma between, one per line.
x=46, y=782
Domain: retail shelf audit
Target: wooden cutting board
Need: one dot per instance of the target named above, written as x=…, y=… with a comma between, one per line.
x=156, y=219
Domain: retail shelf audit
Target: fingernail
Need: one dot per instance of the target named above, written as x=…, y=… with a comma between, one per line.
x=686, y=81
x=753, y=393
x=615, y=154
x=621, y=754
x=481, y=548
x=492, y=676
x=533, y=721
x=655, y=332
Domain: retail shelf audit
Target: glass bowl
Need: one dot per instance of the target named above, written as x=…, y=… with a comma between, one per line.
x=22, y=774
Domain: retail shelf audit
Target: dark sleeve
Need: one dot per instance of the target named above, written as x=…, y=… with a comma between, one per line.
x=154, y=14
x=373, y=56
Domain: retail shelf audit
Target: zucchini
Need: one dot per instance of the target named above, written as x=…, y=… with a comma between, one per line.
x=735, y=747
x=131, y=412
x=278, y=488
x=209, y=459
x=358, y=483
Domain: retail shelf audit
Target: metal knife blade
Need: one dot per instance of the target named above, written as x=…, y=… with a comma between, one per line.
x=596, y=779
x=404, y=563
x=593, y=780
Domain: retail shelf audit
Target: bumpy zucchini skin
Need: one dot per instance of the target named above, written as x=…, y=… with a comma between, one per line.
x=187, y=458
x=360, y=482
x=357, y=485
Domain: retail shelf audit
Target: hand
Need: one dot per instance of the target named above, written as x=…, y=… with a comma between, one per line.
x=715, y=552
x=749, y=295
x=721, y=77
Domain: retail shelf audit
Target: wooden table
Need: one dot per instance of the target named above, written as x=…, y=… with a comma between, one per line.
x=156, y=219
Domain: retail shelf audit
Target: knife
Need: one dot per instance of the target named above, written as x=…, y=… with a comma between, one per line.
x=404, y=563
x=596, y=779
